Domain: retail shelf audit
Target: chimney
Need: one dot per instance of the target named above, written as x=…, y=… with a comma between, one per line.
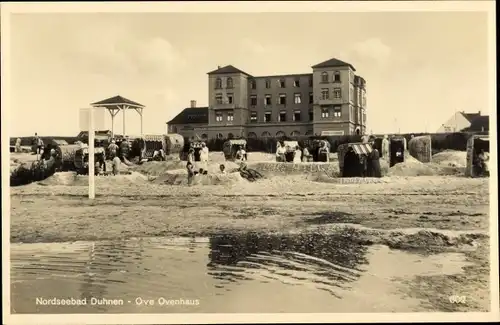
x=193, y=104
x=479, y=113
x=218, y=67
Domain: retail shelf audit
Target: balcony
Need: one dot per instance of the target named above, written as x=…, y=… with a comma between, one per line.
x=329, y=101
x=224, y=106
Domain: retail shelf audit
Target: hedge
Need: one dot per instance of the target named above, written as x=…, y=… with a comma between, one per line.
x=440, y=141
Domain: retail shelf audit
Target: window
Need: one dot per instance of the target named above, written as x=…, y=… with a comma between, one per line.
x=251, y=135
x=230, y=116
x=229, y=83
x=220, y=136
x=218, y=117
x=337, y=111
x=218, y=83
x=282, y=99
x=337, y=93
x=230, y=136
x=229, y=98
x=268, y=83
x=253, y=117
x=336, y=76
x=282, y=116
x=325, y=94
x=324, y=113
x=218, y=98
x=310, y=81
x=296, y=83
x=351, y=93
x=311, y=115
x=295, y=133
x=267, y=117
x=311, y=98
x=253, y=84
x=281, y=83
x=324, y=77
x=266, y=134
x=296, y=115
x=253, y=100
x=364, y=100
x=268, y=100
x=297, y=98
x=280, y=134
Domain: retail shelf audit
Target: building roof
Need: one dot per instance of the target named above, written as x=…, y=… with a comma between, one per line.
x=480, y=123
x=333, y=62
x=191, y=115
x=285, y=75
x=227, y=70
x=470, y=116
x=117, y=100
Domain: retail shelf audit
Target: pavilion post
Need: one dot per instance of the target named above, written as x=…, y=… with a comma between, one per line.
x=123, y=110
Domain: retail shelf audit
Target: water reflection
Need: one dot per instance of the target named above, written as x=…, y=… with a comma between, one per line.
x=103, y=260
x=226, y=273
x=326, y=262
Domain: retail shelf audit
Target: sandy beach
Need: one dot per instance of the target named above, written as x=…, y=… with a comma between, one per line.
x=428, y=214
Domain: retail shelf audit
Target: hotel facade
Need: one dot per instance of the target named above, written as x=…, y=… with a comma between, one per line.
x=329, y=101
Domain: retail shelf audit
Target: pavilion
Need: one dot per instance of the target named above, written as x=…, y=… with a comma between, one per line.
x=116, y=104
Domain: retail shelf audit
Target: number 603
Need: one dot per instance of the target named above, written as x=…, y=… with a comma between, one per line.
x=458, y=299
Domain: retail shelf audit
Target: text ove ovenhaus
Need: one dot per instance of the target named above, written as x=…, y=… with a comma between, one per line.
x=113, y=302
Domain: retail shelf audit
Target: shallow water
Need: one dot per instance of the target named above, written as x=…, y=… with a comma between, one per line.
x=222, y=274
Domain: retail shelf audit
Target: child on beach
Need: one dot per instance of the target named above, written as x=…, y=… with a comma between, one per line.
x=190, y=171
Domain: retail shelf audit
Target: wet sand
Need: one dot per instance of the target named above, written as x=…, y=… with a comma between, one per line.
x=426, y=214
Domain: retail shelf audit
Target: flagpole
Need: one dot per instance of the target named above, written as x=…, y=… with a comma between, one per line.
x=91, y=154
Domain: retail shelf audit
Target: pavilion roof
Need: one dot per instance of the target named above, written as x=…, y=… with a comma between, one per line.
x=118, y=101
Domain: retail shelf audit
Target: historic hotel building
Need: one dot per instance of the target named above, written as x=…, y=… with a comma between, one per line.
x=329, y=101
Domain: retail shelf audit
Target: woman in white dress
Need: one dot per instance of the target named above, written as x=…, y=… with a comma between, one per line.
x=297, y=155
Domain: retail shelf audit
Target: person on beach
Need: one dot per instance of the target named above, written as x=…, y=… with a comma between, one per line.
x=222, y=169
x=116, y=165
x=483, y=161
x=18, y=145
x=280, y=152
x=190, y=156
x=305, y=155
x=241, y=154
x=204, y=155
x=297, y=155
x=324, y=152
x=39, y=146
x=112, y=149
x=385, y=147
x=190, y=172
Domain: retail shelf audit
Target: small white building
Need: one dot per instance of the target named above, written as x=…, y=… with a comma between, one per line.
x=458, y=122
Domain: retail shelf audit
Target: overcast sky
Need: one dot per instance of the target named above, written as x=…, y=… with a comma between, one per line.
x=420, y=67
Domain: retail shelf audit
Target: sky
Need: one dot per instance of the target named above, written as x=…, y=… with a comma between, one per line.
x=420, y=67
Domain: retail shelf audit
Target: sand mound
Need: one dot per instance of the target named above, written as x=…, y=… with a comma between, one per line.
x=158, y=168
x=179, y=177
x=451, y=158
x=413, y=167
x=72, y=179
x=216, y=157
x=270, y=169
x=261, y=156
